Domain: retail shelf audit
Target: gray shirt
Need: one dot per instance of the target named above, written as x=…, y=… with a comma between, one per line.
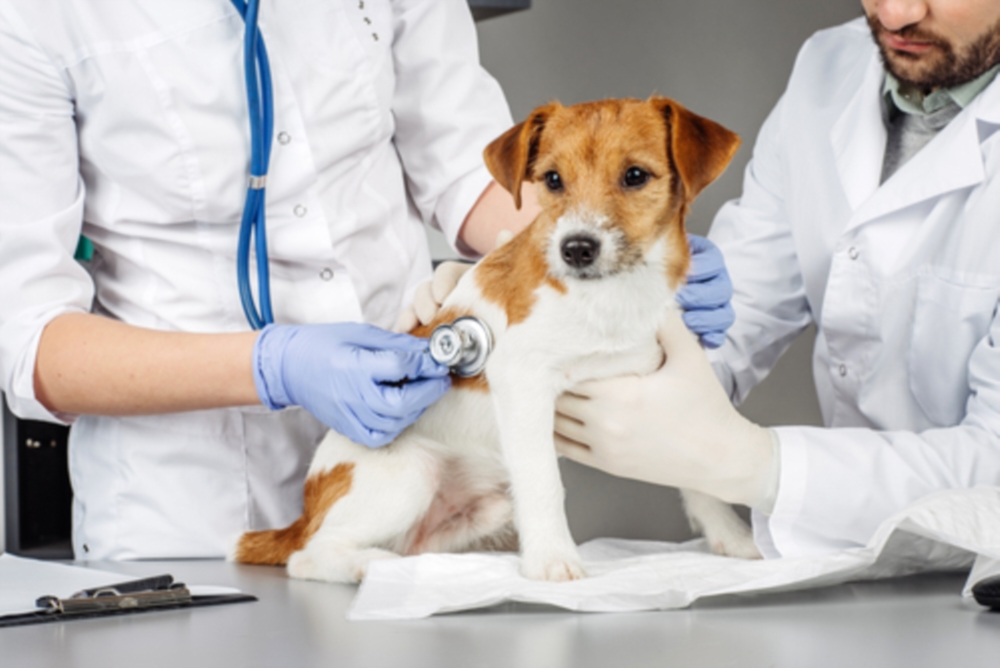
x=913, y=118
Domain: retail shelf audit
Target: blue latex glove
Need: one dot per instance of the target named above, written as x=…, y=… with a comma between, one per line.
x=348, y=375
x=707, y=295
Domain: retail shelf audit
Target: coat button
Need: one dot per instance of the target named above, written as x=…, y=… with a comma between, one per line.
x=284, y=137
x=842, y=370
x=300, y=210
x=853, y=253
x=326, y=274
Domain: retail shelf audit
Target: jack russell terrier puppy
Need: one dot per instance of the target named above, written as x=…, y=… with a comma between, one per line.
x=578, y=295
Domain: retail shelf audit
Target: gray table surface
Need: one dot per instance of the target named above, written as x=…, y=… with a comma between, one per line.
x=915, y=621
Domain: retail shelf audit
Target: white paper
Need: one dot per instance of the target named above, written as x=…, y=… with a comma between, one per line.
x=22, y=581
x=946, y=531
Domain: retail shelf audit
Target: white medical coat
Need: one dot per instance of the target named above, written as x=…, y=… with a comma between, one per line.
x=128, y=120
x=902, y=280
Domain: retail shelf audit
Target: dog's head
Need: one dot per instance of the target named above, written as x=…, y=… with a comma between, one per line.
x=614, y=178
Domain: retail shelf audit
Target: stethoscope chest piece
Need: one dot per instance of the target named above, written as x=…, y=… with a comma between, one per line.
x=464, y=345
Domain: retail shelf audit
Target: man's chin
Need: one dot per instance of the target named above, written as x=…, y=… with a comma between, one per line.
x=910, y=69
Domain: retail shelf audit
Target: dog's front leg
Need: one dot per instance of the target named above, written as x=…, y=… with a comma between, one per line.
x=524, y=396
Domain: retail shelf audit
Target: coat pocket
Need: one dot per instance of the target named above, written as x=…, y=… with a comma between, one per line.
x=950, y=319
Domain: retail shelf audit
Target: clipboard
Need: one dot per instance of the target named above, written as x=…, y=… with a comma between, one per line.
x=105, y=599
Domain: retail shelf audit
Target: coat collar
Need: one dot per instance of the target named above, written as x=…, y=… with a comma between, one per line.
x=952, y=160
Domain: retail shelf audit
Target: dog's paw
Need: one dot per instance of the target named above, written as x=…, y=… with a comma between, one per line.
x=733, y=541
x=552, y=569
x=335, y=566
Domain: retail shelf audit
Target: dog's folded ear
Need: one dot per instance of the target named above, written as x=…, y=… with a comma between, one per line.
x=700, y=149
x=509, y=157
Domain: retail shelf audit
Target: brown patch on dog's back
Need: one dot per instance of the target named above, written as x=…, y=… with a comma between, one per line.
x=444, y=316
x=272, y=548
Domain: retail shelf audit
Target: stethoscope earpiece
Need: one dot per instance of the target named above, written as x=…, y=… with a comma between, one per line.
x=464, y=345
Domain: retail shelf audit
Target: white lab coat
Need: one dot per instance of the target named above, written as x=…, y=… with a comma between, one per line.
x=902, y=281
x=129, y=119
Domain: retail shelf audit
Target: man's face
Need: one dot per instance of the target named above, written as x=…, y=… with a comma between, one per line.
x=936, y=43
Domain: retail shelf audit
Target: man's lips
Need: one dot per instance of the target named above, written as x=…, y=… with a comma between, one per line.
x=897, y=43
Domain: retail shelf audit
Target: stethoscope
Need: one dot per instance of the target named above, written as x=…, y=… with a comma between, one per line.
x=464, y=345
x=260, y=103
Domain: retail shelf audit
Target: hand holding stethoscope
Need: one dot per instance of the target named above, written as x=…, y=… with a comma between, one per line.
x=364, y=382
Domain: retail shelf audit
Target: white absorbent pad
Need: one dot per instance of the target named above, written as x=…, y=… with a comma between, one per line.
x=947, y=531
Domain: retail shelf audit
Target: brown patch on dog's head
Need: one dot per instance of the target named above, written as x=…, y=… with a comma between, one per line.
x=510, y=156
x=614, y=178
x=700, y=149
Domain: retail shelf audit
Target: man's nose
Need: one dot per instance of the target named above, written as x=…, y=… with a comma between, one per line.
x=897, y=14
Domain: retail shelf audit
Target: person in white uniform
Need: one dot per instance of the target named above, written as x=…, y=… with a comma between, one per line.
x=128, y=121
x=871, y=208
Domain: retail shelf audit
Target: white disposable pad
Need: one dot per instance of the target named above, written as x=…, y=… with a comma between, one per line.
x=946, y=531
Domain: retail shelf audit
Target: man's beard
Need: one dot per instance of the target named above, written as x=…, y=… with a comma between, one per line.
x=943, y=67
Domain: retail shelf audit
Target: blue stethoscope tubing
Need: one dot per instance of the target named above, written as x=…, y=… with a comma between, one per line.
x=260, y=102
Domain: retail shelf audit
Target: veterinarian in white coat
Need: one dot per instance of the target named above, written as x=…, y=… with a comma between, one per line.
x=896, y=261
x=128, y=121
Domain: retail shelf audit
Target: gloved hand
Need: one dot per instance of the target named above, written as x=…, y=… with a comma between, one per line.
x=349, y=376
x=673, y=427
x=705, y=299
x=430, y=295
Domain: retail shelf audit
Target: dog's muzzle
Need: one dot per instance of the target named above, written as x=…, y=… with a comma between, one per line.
x=464, y=345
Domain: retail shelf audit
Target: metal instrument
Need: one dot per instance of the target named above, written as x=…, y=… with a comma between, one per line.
x=464, y=345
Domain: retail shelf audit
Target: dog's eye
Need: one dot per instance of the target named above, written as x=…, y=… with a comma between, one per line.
x=636, y=177
x=553, y=181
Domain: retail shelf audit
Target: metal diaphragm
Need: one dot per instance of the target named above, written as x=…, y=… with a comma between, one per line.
x=464, y=345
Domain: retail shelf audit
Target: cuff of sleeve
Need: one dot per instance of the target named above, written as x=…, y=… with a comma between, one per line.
x=21, y=398
x=773, y=533
x=267, y=358
x=456, y=203
x=766, y=503
x=722, y=371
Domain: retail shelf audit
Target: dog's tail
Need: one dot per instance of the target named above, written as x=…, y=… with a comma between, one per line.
x=273, y=547
x=269, y=548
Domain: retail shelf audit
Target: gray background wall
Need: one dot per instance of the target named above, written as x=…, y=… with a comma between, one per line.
x=728, y=60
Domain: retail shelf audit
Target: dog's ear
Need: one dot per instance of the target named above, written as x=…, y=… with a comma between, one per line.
x=701, y=149
x=509, y=157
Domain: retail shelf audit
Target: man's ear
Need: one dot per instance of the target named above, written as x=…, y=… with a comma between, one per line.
x=700, y=149
x=510, y=156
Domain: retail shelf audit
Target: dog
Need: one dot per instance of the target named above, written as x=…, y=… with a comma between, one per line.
x=579, y=294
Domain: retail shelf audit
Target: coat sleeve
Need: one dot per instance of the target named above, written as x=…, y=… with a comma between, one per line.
x=41, y=210
x=769, y=296
x=447, y=109
x=837, y=485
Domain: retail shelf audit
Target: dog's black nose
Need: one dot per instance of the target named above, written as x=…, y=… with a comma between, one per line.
x=578, y=251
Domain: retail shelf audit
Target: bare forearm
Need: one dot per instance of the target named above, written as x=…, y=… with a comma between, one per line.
x=89, y=364
x=494, y=212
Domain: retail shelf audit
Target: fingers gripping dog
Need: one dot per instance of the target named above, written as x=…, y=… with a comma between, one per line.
x=579, y=294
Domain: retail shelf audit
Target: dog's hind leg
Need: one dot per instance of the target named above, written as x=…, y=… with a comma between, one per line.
x=391, y=489
x=484, y=522
x=725, y=532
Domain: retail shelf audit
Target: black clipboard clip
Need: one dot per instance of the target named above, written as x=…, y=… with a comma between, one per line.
x=154, y=592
